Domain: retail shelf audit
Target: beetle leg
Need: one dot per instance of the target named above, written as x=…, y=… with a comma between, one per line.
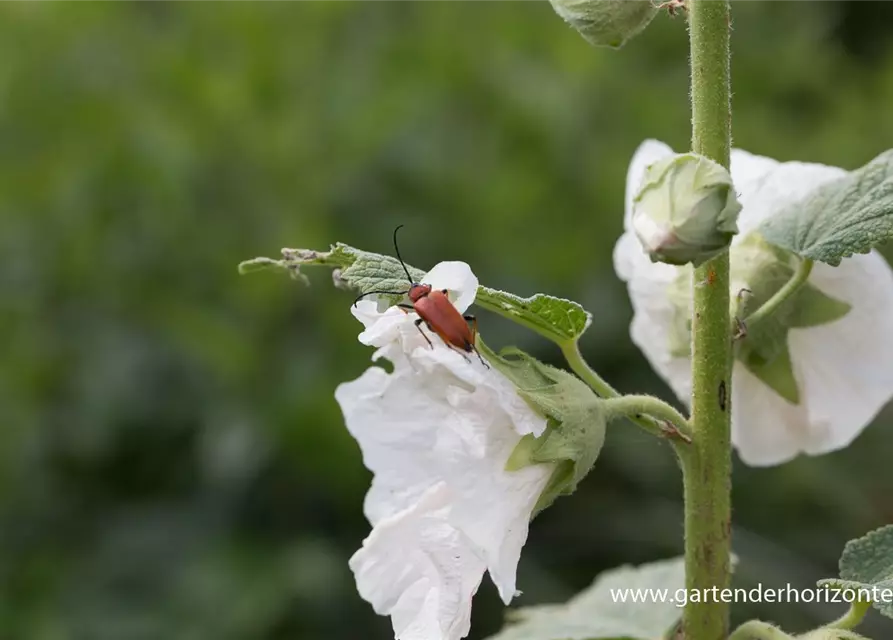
x=478, y=354
x=418, y=325
x=460, y=352
x=406, y=308
x=474, y=335
x=474, y=327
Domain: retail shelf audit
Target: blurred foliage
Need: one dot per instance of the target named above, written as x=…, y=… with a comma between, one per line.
x=173, y=463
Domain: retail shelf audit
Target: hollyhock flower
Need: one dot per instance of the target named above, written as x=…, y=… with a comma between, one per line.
x=437, y=432
x=828, y=372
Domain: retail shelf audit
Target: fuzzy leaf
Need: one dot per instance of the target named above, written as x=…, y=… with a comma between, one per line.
x=867, y=563
x=375, y=272
x=576, y=429
x=558, y=319
x=593, y=614
x=850, y=215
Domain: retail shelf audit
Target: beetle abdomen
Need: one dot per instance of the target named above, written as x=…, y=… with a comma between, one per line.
x=445, y=320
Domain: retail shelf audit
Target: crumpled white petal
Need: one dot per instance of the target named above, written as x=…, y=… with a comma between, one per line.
x=842, y=368
x=437, y=433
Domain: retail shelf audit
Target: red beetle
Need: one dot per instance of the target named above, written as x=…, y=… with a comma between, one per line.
x=437, y=312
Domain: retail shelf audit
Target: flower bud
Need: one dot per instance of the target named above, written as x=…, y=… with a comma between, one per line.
x=686, y=210
x=607, y=23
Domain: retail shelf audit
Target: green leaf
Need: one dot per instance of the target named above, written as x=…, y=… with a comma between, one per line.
x=558, y=319
x=849, y=215
x=374, y=272
x=593, y=614
x=576, y=420
x=867, y=564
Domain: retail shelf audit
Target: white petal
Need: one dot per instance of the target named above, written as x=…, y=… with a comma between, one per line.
x=649, y=284
x=647, y=154
x=447, y=425
x=420, y=570
x=499, y=389
x=765, y=186
x=381, y=327
x=627, y=255
x=456, y=277
x=842, y=368
x=766, y=428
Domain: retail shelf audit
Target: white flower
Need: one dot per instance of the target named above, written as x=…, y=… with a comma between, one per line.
x=437, y=433
x=842, y=369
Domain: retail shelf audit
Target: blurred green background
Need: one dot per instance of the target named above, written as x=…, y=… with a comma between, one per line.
x=173, y=463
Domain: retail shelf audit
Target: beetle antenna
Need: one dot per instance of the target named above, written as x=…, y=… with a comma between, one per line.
x=399, y=257
x=369, y=293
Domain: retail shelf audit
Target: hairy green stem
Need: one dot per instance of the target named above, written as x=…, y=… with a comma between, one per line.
x=801, y=275
x=587, y=374
x=635, y=406
x=707, y=467
x=571, y=351
x=851, y=618
x=758, y=630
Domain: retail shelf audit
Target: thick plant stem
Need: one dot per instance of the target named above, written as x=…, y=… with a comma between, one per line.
x=707, y=467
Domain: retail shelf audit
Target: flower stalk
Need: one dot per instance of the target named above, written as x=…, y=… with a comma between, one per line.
x=801, y=275
x=852, y=617
x=644, y=411
x=707, y=465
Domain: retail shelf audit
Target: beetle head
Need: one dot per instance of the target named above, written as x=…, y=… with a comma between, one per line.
x=418, y=291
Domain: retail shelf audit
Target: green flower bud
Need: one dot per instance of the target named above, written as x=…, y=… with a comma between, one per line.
x=686, y=210
x=606, y=23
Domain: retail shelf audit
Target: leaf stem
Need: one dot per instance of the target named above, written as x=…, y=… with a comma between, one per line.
x=707, y=466
x=790, y=288
x=851, y=618
x=571, y=351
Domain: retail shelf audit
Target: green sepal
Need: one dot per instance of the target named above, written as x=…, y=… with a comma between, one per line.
x=606, y=23
x=557, y=319
x=777, y=373
x=575, y=431
x=765, y=351
x=686, y=210
x=765, y=269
